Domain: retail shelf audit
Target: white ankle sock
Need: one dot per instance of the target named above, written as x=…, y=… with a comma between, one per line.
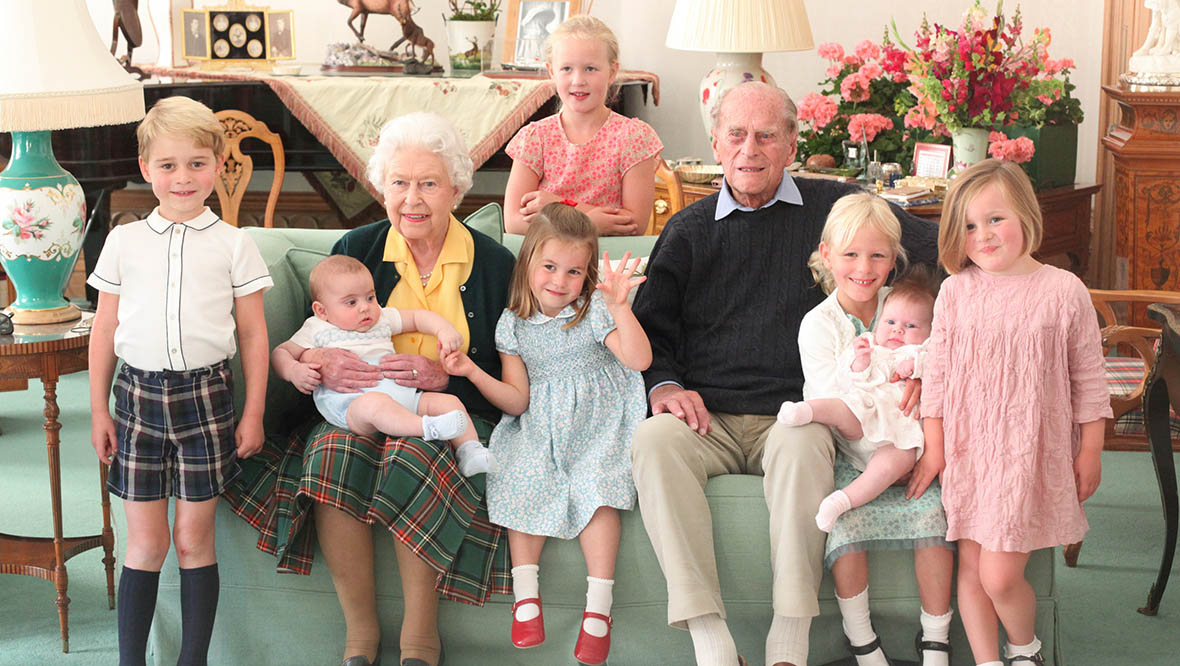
x=787, y=640
x=795, y=413
x=712, y=641
x=475, y=458
x=830, y=509
x=444, y=426
x=858, y=627
x=1032, y=648
x=598, y=600
x=936, y=628
x=526, y=585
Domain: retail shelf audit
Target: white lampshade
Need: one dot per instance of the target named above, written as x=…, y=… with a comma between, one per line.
x=739, y=26
x=57, y=73
x=740, y=31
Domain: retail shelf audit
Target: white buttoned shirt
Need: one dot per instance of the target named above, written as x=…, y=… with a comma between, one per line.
x=176, y=284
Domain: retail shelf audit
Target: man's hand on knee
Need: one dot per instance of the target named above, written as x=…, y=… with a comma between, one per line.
x=683, y=404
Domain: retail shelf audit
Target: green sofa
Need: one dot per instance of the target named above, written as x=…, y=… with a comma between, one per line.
x=292, y=620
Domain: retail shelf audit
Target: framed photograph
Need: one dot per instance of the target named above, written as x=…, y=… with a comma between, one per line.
x=280, y=34
x=529, y=23
x=931, y=160
x=195, y=34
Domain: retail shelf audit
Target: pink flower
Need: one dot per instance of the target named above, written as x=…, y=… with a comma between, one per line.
x=867, y=126
x=867, y=50
x=817, y=109
x=831, y=51
x=1018, y=150
x=871, y=70
x=854, y=88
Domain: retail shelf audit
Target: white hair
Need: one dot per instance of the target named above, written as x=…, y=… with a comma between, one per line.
x=429, y=131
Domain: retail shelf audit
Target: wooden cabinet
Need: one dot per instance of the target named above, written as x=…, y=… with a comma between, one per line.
x=1066, y=212
x=1145, y=144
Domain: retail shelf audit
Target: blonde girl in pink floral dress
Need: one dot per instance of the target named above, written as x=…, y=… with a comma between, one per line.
x=1014, y=397
x=585, y=155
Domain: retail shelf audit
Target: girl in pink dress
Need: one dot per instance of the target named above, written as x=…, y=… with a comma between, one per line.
x=602, y=162
x=1014, y=396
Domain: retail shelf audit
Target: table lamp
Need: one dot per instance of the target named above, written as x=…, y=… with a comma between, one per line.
x=740, y=31
x=59, y=76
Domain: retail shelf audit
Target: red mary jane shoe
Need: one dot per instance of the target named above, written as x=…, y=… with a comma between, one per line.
x=590, y=649
x=529, y=633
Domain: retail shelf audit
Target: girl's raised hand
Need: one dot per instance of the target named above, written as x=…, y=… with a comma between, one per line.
x=618, y=280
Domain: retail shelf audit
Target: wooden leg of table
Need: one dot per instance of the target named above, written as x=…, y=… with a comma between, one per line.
x=1159, y=437
x=108, y=536
x=52, y=442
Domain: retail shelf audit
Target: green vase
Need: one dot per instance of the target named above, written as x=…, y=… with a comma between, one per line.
x=1054, y=164
x=42, y=209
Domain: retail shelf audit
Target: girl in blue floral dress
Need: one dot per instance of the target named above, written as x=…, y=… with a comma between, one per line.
x=572, y=395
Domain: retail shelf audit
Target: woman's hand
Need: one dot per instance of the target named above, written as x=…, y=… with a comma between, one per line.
x=532, y=203
x=343, y=371
x=618, y=281
x=416, y=371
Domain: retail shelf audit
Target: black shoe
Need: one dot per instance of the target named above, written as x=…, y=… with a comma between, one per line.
x=921, y=646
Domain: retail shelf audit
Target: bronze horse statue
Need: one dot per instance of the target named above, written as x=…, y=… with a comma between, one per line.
x=402, y=10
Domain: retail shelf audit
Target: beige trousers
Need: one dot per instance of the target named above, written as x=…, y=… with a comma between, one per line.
x=671, y=464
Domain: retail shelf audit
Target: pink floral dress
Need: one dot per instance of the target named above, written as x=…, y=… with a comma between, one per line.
x=1013, y=365
x=591, y=172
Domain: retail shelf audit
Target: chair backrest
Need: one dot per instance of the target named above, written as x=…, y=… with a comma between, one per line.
x=1115, y=309
x=675, y=186
x=239, y=167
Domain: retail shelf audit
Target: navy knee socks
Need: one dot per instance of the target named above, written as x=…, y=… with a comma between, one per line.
x=136, y=605
x=199, y=589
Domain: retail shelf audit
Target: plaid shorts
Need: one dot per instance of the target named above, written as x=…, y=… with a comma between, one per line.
x=175, y=432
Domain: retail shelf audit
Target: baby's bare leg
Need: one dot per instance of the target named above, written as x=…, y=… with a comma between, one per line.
x=473, y=457
x=828, y=411
x=376, y=412
x=887, y=465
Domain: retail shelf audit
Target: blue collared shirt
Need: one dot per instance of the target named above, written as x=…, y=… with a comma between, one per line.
x=787, y=192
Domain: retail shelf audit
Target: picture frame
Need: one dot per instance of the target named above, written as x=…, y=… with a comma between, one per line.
x=280, y=34
x=931, y=160
x=528, y=24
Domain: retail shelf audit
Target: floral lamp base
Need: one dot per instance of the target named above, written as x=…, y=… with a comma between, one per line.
x=730, y=70
x=42, y=209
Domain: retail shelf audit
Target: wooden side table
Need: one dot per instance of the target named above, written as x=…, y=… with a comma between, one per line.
x=1163, y=388
x=47, y=352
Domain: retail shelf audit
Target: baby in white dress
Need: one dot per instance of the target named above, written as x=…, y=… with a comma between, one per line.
x=875, y=435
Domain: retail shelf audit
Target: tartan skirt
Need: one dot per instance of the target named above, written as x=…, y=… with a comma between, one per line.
x=409, y=486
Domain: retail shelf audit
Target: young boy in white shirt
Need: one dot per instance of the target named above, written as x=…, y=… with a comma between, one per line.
x=172, y=290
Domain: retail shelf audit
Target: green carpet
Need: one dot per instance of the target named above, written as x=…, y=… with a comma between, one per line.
x=1099, y=623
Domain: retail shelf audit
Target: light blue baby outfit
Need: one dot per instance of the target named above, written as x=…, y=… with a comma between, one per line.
x=371, y=345
x=570, y=452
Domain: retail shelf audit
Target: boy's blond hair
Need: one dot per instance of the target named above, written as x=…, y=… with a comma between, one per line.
x=564, y=223
x=329, y=268
x=183, y=116
x=848, y=216
x=1017, y=191
x=584, y=26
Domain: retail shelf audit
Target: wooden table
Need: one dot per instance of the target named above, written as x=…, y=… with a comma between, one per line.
x=1163, y=388
x=47, y=352
x=1066, y=212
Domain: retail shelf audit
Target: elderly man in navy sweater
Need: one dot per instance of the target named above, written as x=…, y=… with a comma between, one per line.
x=727, y=286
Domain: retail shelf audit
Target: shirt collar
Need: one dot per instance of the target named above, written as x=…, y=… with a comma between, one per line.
x=160, y=224
x=788, y=192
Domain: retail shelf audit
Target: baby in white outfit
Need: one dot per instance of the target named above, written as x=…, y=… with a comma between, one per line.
x=877, y=437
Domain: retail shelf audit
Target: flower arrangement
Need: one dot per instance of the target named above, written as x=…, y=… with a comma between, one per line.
x=864, y=97
x=983, y=74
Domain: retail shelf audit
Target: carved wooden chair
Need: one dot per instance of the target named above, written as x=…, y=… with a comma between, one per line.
x=675, y=200
x=1130, y=354
x=239, y=167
